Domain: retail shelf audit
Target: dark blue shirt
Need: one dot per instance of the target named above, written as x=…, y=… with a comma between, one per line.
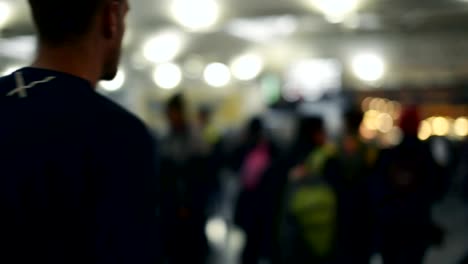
x=77, y=174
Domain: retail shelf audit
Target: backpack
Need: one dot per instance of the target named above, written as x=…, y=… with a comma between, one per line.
x=313, y=205
x=255, y=165
x=314, y=208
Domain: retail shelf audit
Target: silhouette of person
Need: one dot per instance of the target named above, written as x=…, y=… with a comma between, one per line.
x=77, y=174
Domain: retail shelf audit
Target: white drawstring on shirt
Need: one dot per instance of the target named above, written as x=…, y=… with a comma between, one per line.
x=21, y=87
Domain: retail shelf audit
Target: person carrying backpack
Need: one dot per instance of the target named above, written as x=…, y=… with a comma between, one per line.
x=310, y=228
x=253, y=213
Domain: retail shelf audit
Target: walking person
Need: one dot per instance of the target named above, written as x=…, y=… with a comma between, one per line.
x=405, y=187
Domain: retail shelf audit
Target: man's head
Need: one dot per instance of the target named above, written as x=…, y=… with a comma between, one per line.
x=101, y=23
x=353, y=120
x=175, y=111
x=204, y=115
x=255, y=130
x=409, y=121
x=318, y=133
x=311, y=131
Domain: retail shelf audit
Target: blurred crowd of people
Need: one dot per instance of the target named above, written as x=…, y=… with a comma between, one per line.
x=320, y=200
x=79, y=183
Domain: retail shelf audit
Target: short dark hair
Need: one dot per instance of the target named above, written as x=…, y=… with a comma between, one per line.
x=176, y=102
x=255, y=126
x=59, y=21
x=353, y=119
x=316, y=124
x=309, y=125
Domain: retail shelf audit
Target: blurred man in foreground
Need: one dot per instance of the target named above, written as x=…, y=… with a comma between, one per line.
x=76, y=170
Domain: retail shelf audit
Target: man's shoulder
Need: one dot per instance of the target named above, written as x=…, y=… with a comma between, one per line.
x=112, y=115
x=4, y=79
x=6, y=84
x=105, y=107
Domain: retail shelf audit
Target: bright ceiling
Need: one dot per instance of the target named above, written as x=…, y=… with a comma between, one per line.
x=420, y=41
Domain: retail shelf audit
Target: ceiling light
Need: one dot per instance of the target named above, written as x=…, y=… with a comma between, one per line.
x=394, y=136
x=195, y=15
x=217, y=74
x=313, y=78
x=163, y=47
x=336, y=11
x=115, y=84
x=370, y=119
x=440, y=126
x=461, y=127
x=425, y=130
x=368, y=67
x=384, y=122
x=247, y=67
x=366, y=133
x=263, y=29
x=167, y=75
x=5, y=13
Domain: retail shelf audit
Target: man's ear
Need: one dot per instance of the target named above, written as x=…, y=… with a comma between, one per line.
x=110, y=19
